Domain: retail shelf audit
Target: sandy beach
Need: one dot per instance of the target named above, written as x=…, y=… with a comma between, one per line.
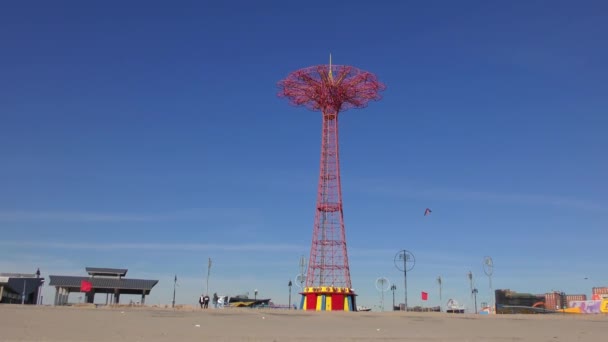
x=28, y=323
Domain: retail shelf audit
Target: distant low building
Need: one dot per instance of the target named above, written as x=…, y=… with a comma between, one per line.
x=20, y=288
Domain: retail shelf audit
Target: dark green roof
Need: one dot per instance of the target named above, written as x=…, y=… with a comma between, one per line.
x=107, y=271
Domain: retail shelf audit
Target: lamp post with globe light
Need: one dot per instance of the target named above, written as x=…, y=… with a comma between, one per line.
x=41, y=282
x=475, y=295
x=393, y=288
x=289, y=285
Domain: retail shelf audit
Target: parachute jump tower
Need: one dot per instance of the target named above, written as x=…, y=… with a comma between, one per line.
x=330, y=89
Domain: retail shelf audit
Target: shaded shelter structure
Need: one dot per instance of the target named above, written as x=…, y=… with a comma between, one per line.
x=108, y=281
x=20, y=288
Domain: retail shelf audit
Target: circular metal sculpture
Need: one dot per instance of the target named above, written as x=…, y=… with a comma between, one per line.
x=488, y=269
x=405, y=261
x=488, y=266
x=382, y=285
x=299, y=280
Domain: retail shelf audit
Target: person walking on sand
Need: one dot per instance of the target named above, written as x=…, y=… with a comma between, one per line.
x=201, y=301
x=206, y=302
x=215, y=299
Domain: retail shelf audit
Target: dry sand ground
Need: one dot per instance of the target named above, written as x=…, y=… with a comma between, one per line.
x=27, y=323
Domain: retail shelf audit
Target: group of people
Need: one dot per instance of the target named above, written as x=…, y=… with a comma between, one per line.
x=204, y=301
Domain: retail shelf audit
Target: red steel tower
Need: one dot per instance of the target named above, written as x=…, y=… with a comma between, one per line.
x=330, y=89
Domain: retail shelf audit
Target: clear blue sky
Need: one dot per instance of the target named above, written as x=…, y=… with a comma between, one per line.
x=148, y=135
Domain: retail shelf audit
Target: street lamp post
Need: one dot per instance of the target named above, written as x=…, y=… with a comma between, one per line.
x=405, y=261
x=440, y=282
x=39, y=286
x=174, y=285
x=405, y=280
x=393, y=288
x=475, y=295
x=289, y=285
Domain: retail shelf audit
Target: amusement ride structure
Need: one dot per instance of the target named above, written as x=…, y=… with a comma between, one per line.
x=330, y=89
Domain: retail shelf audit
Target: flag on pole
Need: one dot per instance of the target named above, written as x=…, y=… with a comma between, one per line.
x=425, y=296
x=85, y=286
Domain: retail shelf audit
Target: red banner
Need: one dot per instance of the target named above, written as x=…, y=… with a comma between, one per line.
x=86, y=286
x=425, y=296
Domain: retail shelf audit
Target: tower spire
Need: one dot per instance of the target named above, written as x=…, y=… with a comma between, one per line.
x=330, y=75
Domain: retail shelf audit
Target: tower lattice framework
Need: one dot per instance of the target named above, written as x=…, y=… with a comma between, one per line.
x=330, y=89
x=328, y=264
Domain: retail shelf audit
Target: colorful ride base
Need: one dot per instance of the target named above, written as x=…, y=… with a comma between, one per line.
x=328, y=298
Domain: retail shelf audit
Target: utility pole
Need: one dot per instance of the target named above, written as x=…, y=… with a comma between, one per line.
x=208, y=273
x=440, y=282
x=405, y=279
x=39, y=286
x=382, y=281
x=289, y=285
x=393, y=288
x=174, y=285
x=475, y=295
x=470, y=276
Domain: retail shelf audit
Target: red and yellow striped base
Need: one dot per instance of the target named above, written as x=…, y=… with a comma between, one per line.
x=328, y=298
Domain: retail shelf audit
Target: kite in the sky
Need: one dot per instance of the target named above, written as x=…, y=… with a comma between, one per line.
x=427, y=212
